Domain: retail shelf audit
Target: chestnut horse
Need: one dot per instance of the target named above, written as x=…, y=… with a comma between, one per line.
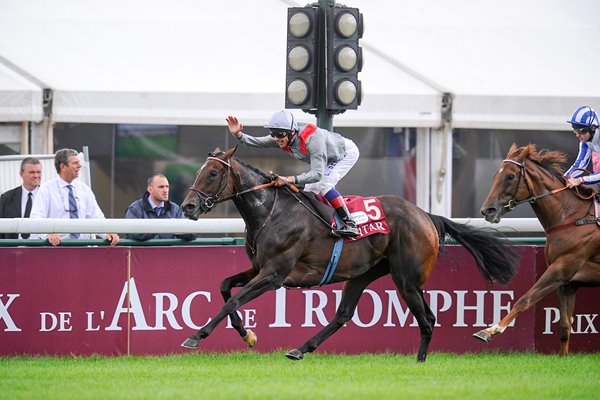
x=290, y=246
x=572, y=233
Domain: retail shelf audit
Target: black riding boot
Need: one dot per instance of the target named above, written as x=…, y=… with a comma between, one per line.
x=349, y=229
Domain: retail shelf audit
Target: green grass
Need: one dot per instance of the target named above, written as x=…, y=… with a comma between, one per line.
x=248, y=375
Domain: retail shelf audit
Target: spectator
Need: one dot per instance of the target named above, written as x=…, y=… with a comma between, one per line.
x=155, y=204
x=67, y=197
x=17, y=202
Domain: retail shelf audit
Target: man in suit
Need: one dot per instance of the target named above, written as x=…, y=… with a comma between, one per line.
x=17, y=202
x=66, y=197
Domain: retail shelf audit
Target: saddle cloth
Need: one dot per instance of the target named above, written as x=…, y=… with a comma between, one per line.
x=368, y=215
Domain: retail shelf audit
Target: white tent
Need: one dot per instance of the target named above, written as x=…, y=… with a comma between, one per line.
x=183, y=62
x=511, y=64
x=20, y=99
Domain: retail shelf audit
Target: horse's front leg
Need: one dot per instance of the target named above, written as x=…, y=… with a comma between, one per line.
x=555, y=276
x=566, y=305
x=260, y=284
x=239, y=280
x=351, y=293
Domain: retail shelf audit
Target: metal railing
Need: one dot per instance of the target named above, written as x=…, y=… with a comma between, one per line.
x=206, y=226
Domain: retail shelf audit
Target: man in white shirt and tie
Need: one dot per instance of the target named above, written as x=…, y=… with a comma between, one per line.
x=17, y=202
x=67, y=197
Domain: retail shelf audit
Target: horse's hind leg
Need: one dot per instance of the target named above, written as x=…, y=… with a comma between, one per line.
x=412, y=293
x=566, y=301
x=239, y=280
x=426, y=329
x=351, y=294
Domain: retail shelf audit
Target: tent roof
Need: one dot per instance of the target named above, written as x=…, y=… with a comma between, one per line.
x=510, y=64
x=20, y=99
x=518, y=63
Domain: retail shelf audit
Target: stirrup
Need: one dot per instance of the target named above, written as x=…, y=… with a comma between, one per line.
x=348, y=231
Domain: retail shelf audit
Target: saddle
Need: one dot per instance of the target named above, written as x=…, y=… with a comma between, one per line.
x=365, y=211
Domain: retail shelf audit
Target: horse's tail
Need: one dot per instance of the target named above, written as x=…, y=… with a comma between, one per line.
x=495, y=256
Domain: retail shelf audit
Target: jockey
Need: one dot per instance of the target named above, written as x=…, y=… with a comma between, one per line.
x=329, y=154
x=584, y=123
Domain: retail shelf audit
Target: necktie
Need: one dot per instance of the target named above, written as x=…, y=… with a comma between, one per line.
x=73, y=209
x=27, y=213
x=158, y=210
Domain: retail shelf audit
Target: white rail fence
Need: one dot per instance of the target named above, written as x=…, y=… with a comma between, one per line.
x=202, y=226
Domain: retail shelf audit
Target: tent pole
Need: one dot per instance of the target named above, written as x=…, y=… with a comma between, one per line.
x=25, y=137
x=47, y=124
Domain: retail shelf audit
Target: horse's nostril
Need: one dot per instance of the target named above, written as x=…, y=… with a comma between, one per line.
x=488, y=211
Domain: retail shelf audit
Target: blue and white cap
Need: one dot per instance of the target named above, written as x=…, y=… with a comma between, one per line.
x=282, y=120
x=585, y=116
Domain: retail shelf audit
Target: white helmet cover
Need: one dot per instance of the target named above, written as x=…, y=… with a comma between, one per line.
x=282, y=120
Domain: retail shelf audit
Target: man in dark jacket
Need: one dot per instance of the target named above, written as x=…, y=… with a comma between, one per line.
x=155, y=204
x=17, y=202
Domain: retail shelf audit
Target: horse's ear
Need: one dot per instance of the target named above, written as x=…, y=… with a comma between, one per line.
x=512, y=149
x=217, y=151
x=229, y=153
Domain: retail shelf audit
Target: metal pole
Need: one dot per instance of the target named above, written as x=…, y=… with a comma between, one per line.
x=324, y=119
x=25, y=137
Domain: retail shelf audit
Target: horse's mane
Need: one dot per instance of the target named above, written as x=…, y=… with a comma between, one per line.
x=550, y=160
x=254, y=169
x=218, y=152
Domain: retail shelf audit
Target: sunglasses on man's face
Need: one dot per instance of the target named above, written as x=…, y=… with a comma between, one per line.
x=279, y=134
x=581, y=130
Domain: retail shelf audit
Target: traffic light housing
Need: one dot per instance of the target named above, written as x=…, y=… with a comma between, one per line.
x=345, y=27
x=302, y=64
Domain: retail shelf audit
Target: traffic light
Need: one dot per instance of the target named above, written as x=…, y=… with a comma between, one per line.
x=302, y=66
x=344, y=58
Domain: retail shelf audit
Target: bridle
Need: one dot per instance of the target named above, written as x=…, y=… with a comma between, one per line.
x=514, y=202
x=206, y=202
x=532, y=199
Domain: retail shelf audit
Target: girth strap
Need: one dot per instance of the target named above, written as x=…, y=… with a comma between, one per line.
x=335, y=258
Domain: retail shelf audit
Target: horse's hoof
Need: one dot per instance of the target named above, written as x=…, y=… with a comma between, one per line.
x=295, y=355
x=190, y=343
x=250, y=338
x=483, y=336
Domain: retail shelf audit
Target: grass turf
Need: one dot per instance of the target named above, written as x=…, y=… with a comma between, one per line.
x=248, y=375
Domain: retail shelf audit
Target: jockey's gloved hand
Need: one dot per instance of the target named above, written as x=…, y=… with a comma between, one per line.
x=278, y=180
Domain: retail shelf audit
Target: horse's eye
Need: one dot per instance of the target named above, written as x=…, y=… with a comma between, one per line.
x=510, y=177
x=214, y=173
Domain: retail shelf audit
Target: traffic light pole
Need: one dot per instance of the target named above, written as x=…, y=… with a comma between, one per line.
x=324, y=118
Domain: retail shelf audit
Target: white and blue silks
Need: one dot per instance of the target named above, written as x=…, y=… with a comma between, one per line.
x=583, y=158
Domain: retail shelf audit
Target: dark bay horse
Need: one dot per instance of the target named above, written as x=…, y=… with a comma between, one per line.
x=288, y=246
x=572, y=235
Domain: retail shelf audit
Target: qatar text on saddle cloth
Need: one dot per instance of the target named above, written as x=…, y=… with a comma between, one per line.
x=366, y=212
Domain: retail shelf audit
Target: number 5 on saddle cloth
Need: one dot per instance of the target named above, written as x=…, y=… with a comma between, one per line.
x=369, y=218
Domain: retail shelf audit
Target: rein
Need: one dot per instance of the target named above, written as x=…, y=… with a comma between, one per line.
x=514, y=202
x=207, y=202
